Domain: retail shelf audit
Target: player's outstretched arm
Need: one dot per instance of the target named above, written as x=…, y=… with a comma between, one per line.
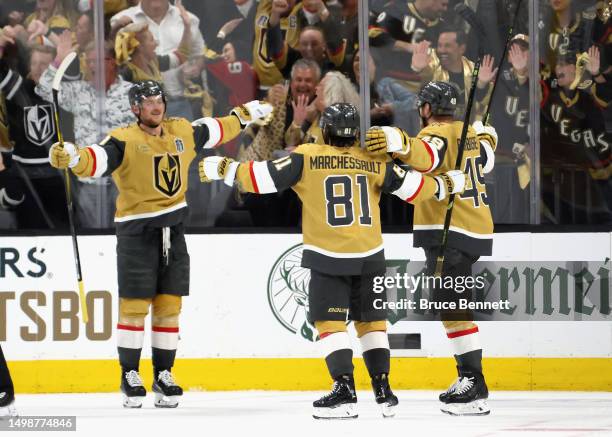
x=423, y=153
x=414, y=187
x=258, y=177
x=213, y=131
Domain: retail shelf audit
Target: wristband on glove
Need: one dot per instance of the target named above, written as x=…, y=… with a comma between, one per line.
x=397, y=140
x=451, y=182
x=251, y=111
x=216, y=168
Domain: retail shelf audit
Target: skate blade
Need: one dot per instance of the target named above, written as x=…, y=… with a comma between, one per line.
x=132, y=402
x=479, y=407
x=163, y=401
x=8, y=411
x=343, y=411
x=388, y=409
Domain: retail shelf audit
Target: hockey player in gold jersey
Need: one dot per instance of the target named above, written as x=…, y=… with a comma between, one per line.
x=434, y=151
x=149, y=161
x=340, y=187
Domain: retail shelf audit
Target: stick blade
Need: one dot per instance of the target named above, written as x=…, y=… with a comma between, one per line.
x=61, y=70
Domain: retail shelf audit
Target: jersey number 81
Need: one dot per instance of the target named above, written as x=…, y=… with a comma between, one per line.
x=339, y=200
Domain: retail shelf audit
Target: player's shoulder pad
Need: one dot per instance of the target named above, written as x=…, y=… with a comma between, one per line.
x=436, y=134
x=123, y=133
x=308, y=148
x=176, y=120
x=177, y=124
x=362, y=153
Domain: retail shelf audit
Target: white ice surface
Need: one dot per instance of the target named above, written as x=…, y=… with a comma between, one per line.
x=288, y=414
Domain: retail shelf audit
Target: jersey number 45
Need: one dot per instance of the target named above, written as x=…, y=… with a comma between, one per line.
x=475, y=188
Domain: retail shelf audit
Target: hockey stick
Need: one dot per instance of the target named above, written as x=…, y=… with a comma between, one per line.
x=485, y=119
x=75, y=246
x=470, y=17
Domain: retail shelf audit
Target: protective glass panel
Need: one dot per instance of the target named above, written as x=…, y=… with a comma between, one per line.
x=413, y=43
x=576, y=122
x=553, y=155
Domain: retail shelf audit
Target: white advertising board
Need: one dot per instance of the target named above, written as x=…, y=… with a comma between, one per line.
x=247, y=299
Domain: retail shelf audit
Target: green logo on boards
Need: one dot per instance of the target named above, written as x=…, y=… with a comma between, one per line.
x=288, y=293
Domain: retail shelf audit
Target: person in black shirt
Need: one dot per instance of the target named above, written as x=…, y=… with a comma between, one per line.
x=37, y=189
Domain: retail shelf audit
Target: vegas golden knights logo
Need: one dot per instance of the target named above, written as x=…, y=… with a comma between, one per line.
x=167, y=170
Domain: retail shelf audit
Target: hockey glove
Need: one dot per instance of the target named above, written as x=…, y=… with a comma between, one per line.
x=251, y=111
x=451, y=182
x=387, y=139
x=215, y=168
x=63, y=157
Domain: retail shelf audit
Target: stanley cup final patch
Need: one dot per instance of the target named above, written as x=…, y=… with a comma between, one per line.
x=180, y=146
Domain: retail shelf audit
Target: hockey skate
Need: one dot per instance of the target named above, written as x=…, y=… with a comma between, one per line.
x=466, y=397
x=132, y=388
x=167, y=392
x=444, y=396
x=340, y=403
x=383, y=394
x=7, y=406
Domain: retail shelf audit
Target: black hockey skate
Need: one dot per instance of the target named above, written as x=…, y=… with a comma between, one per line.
x=383, y=394
x=444, y=396
x=468, y=396
x=7, y=405
x=340, y=403
x=132, y=389
x=167, y=392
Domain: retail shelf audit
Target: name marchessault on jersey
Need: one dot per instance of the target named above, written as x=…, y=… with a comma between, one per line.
x=344, y=162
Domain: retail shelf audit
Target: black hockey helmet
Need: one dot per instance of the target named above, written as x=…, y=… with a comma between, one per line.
x=340, y=124
x=146, y=88
x=441, y=96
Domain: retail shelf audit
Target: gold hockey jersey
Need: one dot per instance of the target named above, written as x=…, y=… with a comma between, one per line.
x=267, y=72
x=471, y=228
x=151, y=172
x=340, y=188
